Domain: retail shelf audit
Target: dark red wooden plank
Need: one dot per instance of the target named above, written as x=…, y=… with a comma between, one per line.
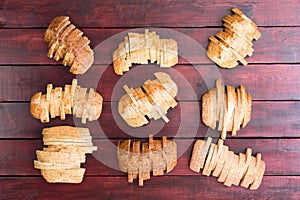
x=282, y=156
x=269, y=119
x=175, y=187
x=263, y=82
x=26, y=46
x=105, y=13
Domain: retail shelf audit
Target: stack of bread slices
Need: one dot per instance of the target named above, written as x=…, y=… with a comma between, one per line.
x=152, y=100
x=226, y=108
x=140, y=48
x=67, y=42
x=74, y=99
x=60, y=161
x=139, y=159
x=231, y=169
x=235, y=42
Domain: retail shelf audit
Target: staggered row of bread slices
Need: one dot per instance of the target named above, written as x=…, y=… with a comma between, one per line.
x=140, y=48
x=74, y=99
x=231, y=169
x=152, y=100
x=235, y=42
x=226, y=108
x=139, y=159
x=60, y=161
x=67, y=42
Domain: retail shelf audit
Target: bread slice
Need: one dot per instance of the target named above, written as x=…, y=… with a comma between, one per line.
x=213, y=107
x=248, y=178
x=74, y=100
x=221, y=161
x=230, y=168
x=235, y=42
x=226, y=118
x=239, y=169
x=226, y=167
x=231, y=105
x=68, y=43
x=196, y=155
x=49, y=165
x=221, y=103
x=259, y=176
x=232, y=171
x=59, y=157
x=247, y=115
x=140, y=48
x=63, y=175
x=208, y=160
x=206, y=114
x=152, y=100
x=141, y=158
x=214, y=159
x=71, y=148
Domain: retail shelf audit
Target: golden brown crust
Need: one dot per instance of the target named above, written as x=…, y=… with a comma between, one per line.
x=73, y=100
x=139, y=48
x=67, y=43
x=227, y=110
x=60, y=163
x=235, y=42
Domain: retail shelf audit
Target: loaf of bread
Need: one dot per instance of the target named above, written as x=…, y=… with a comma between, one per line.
x=74, y=99
x=60, y=161
x=235, y=42
x=139, y=159
x=226, y=109
x=152, y=100
x=230, y=168
x=140, y=48
x=66, y=42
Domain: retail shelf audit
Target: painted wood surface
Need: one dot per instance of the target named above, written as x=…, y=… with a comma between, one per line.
x=272, y=77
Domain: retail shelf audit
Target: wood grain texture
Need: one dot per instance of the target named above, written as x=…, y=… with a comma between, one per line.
x=105, y=13
x=26, y=46
x=276, y=153
x=195, y=187
x=272, y=78
x=269, y=119
x=263, y=82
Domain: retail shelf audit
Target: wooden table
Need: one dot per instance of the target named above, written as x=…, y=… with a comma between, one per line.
x=271, y=77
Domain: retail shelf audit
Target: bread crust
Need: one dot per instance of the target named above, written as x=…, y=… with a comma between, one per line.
x=231, y=169
x=153, y=100
x=73, y=100
x=226, y=110
x=234, y=43
x=139, y=159
x=60, y=161
x=66, y=42
x=141, y=48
